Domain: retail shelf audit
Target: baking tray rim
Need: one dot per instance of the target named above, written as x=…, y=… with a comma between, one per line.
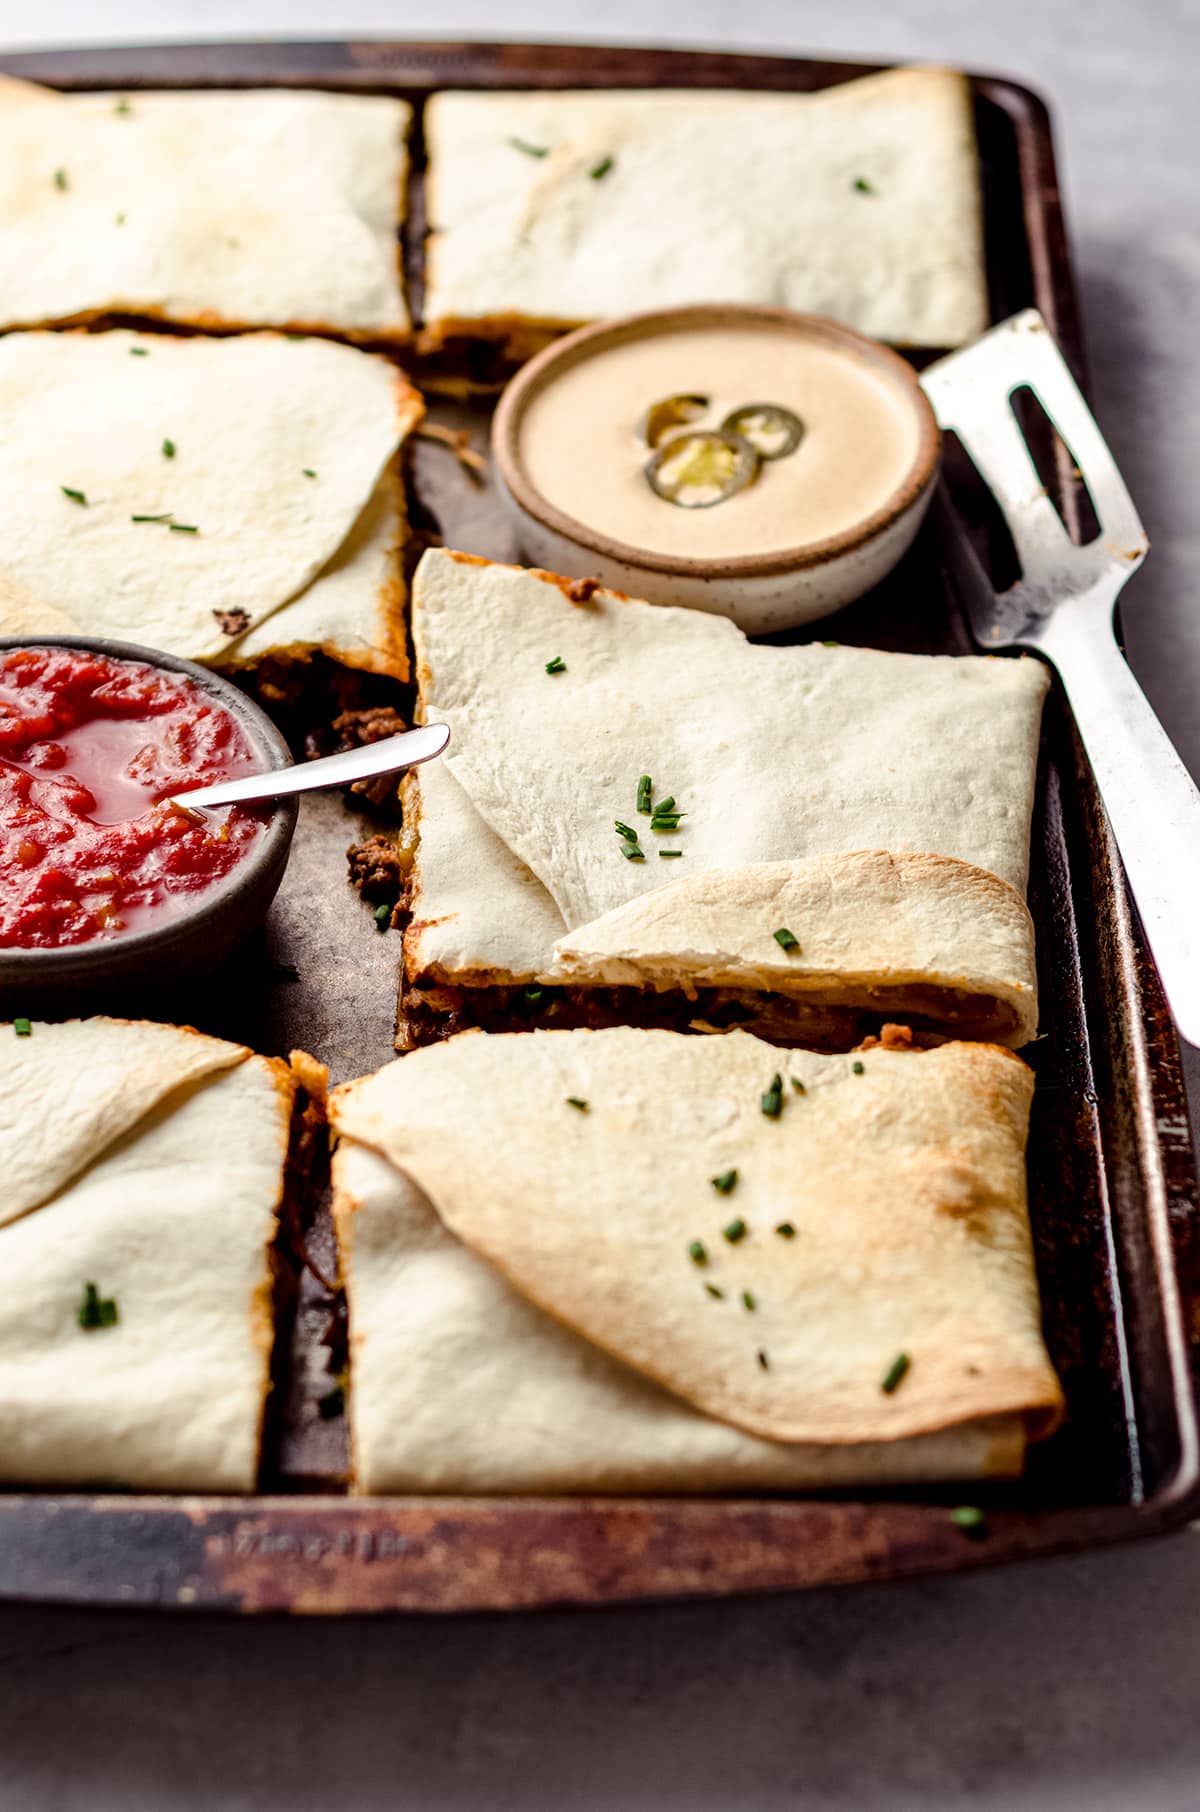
x=366, y=62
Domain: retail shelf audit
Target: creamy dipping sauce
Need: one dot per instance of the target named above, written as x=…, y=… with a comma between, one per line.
x=581, y=445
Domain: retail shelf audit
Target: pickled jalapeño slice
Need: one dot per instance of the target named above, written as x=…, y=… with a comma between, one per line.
x=699, y=468
x=670, y=413
x=772, y=430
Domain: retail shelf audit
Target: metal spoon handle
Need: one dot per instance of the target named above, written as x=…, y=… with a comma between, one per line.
x=386, y=757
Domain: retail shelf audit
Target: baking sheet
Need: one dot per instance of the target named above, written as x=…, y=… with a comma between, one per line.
x=1113, y=1192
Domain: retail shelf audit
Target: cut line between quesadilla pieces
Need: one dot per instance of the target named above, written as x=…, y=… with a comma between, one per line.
x=146, y=1176
x=227, y=500
x=217, y=210
x=551, y=209
x=592, y=1261
x=874, y=807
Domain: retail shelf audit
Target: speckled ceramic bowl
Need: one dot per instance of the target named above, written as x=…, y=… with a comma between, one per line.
x=200, y=937
x=761, y=592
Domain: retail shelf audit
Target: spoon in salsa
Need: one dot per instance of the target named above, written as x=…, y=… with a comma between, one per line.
x=386, y=757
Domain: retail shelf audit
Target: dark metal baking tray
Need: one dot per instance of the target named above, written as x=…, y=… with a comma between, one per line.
x=1113, y=1185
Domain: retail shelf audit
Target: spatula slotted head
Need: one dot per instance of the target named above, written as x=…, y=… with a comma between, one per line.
x=972, y=395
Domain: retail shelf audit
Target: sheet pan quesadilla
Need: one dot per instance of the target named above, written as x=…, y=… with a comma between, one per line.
x=550, y=209
x=874, y=807
x=145, y=1173
x=218, y=210
x=223, y=499
x=593, y=1261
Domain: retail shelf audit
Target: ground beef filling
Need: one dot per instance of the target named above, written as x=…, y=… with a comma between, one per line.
x=429, y=1013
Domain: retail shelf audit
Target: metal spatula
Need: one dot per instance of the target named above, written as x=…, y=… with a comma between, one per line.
x=1062, y=607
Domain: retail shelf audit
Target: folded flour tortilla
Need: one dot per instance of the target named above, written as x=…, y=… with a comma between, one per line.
x=217, y=210
x=876, y=805
x=148, y=1160
x=860, y=202
x=278, y=454
x=527, y=1312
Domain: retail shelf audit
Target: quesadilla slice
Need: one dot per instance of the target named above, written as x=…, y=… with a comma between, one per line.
x=149, y=1168
x=268, y=208
x=549, y=209
x=225, y=500
x=872, y=808
x=590, y=1261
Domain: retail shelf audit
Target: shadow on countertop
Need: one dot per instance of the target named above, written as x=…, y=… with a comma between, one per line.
x=1071, y=1683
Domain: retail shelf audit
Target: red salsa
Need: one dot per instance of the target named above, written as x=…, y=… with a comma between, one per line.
x=90, y=748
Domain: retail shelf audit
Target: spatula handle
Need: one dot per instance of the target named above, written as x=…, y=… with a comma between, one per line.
x=1152, y=802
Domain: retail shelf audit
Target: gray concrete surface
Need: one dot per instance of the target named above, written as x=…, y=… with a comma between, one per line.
x=1068, y=1685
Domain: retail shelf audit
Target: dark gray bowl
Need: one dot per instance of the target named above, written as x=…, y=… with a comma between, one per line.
x=198, y=939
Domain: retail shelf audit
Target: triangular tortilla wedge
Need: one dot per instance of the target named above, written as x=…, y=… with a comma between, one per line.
x=353, y=611
x=72, y=1089
x=811, y=755
x=265, y=208
x=772, y=753
x=479, y=912
x=861, y=202
x=190, y=489
x=899, y=1174
x=461, y=1384
x=171, y=1212
x=868, y=925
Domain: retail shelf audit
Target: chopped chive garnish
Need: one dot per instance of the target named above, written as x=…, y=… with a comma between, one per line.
x=735, y=1231
x=748, y=1302
x=786, y=939
x=623, y=830
x=168, y=449
x=96, y=1311
x=382, y=916
x=665, y=821
x=785, y=1230
x=798, y=1086
x=120, y=220
x=863, y=186
x=577, y=1101
x=75, y=496
x=772, y=1102
x=122, y=106
x=163, y=518
x=632, y=853
x=697, y=1253
x=557, y=665
x=763, y=1360
x=895, y=1373
x=643, y=794
x=831, y=644
x=331, y=1404
x=601, y=169
x=533, y=995
x=184, y=528
x=307, y=472
x=139, y=352
x=665, y=806
x=295, y=336
x=522, y=144
x=669, y=855
x=715, y=1290
x=23, y=1028
x=60, y=180
x=726, y=1183
x=971, y=1520
x=858, y=1068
